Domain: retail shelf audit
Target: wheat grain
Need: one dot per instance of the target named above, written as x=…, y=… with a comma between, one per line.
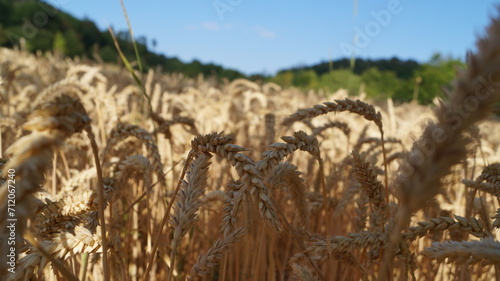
x=247, y=170
x=122, y=130
x=486, y=250
x=211, y=258
x=303, y=273
x=286, y=175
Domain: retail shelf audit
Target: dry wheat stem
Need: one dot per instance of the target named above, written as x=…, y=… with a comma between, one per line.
x=490, y=174
x=166, y=216
x=101, y=203
x=270, y=128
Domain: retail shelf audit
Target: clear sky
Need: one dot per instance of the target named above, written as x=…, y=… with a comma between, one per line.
x=258, y=36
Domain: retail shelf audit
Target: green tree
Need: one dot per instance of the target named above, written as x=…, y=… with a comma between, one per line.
x=43, y=41
x=74, y=45
x=431, y=77
x=5, y=12
x=59, y=45
x=341, y=79
x=380, y=84
x=192, y=69
x=108, y=54
x=306, y=79
x=285, y=79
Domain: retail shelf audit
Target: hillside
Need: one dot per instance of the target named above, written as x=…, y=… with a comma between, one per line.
x=47, y=29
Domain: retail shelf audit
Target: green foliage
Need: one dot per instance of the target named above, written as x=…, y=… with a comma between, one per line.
x=341, y=79
x=436, y=74
x=108, y=54
x=68, y=35
x=383, y=79
x=59, y=45
x=74, y=45
x=380, y=84
x=80, y=38
x=402, y=68
x=429, y=79
x=284, y=79
x=306, y=79
x=43, y=40
x=5, y=12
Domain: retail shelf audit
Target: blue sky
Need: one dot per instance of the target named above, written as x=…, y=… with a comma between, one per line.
x=258, y=36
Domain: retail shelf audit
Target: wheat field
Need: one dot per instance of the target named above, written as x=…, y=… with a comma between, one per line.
x=198, y=179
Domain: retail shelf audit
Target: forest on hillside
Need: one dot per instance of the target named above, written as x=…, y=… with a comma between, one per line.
x=44, y=28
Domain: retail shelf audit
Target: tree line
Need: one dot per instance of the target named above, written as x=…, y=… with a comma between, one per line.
x=380, y=79
x=44, y=28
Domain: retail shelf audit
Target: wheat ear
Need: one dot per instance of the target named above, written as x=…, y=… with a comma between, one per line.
x=164, y=125
x=493, y=189
x=303, y=273
x=286, y=175
x=342, y=126
x=319, y=249
x=472, y=226
x=486, y=250
x=246, y=169
x=358, y=107
x=122, y=130
x=442, y=144
x=188, y=203
x=363, y=171
x=211, y=258
x=278, y=151
x=31, y=156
